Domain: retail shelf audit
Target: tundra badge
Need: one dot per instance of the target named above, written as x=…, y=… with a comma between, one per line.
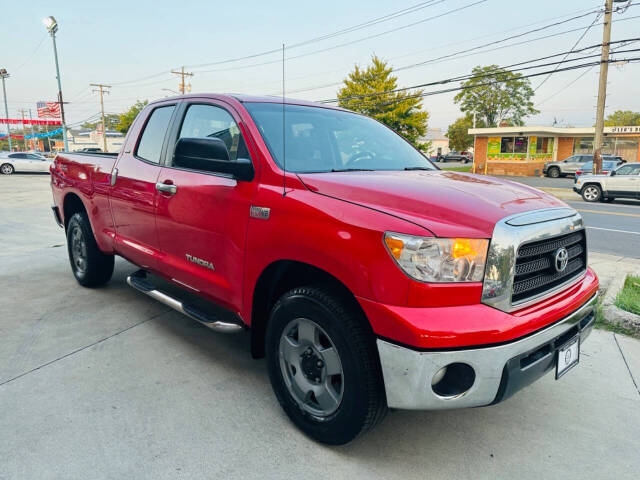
x=199, y=261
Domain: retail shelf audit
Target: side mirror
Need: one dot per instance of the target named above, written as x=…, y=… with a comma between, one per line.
x=210, y=155
x=613, y=172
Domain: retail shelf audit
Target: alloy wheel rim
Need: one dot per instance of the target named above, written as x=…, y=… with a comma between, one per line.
x=311, y=367
x=6, y=169
x=590, y=193
x=78, y=250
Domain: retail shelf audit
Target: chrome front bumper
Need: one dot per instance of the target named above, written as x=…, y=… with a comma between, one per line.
x=499, y=370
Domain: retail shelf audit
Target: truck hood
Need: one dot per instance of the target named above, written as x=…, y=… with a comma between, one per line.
x=449, y=204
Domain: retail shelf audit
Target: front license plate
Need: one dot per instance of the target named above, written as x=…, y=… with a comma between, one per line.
x=568, y=356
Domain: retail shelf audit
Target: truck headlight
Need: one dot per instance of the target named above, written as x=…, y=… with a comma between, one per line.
x=429, y=259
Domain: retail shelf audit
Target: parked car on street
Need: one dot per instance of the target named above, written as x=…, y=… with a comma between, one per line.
x=11, y=162
x=572, y=164
x=367, y=277
x=624, y=182
x=607, y=167
x=455, y=156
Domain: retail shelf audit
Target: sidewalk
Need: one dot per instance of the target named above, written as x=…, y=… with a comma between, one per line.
x=561, y=193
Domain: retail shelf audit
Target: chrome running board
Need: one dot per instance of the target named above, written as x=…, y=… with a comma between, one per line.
x=139, y=281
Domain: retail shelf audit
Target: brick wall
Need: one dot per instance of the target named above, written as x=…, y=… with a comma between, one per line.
x=479, y=153
x=565, y=147
x=518, y=169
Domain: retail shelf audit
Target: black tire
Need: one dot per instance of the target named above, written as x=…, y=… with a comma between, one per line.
x=554, y=172
x=591, y=193
x=89, y=265
x=7, y=169
x=363, y=401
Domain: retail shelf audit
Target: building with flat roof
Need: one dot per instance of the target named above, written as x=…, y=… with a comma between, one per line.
x=524, y=150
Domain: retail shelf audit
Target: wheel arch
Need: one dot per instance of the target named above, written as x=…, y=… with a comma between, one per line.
x=71, y=204
x=279, y=277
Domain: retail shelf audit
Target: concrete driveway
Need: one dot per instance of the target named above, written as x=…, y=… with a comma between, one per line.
x=106, y=383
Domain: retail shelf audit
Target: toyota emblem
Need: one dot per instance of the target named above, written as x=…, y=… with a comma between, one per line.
x=561, y=259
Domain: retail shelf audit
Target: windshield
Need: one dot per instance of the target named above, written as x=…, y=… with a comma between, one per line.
x=606, y=165
x=325, y=140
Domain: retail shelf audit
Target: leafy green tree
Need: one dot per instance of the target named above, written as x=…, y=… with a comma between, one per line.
x=364, y=92
x=110, y=119
x=458, y=133
x=126, y=119
x=496, y=95
x=621, y=118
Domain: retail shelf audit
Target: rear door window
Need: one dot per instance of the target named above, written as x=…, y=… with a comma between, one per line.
x=150, y=145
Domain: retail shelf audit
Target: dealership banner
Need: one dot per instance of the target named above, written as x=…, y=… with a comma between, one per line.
x=52, y=133
x=28, y=121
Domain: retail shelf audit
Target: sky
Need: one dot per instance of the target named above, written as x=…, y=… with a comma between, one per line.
x=133, y=45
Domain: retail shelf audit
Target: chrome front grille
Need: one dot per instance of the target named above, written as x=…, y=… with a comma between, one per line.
x=535, y=269
x=521, y=261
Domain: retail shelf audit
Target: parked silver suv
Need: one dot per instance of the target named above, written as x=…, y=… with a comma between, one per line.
x=621, y=183
x=570, y=165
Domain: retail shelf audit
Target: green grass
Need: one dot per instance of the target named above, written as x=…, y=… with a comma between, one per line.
x=629, y=297
x=466, y=168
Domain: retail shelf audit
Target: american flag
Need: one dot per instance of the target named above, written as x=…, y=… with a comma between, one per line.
x=48, y=109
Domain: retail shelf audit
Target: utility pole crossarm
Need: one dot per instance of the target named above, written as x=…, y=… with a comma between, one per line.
x=182, y=84
x=102, y=88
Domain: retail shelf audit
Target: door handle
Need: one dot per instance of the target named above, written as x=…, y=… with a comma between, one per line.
x=164, y=187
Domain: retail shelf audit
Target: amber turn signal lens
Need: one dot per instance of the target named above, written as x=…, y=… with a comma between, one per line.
x=395, y=246
x=463, y=247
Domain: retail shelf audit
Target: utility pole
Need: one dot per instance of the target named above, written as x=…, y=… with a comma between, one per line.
x=101, y=89
x=602, y=88
x=24, y=130
x=33, y=136
x=4, y=74
x=182, y=86
x=52, y=28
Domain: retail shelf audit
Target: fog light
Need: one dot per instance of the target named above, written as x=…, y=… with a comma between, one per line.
x=453, y=380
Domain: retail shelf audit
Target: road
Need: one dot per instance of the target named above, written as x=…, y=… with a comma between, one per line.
x=107, y=383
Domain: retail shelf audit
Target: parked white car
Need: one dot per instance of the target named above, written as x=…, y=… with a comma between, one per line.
x=621, y=183
x=11, y=162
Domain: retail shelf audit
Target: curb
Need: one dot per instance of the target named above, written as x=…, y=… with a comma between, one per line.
x=561, y=193
x=622, y=318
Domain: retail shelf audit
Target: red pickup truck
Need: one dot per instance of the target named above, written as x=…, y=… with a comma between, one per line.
x=369, y=278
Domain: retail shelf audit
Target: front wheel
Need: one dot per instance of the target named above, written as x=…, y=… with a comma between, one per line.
x=554, y=172
x=7, y=169
x=591, y=193
x=90, y=266
x=323, y=365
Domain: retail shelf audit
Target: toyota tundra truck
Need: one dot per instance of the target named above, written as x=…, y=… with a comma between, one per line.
x=368, y=278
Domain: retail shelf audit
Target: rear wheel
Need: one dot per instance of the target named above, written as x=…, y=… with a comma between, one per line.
x=591, y=193
x=323, y=365
x=90, y=266
x=7, y=169
x=554, y=172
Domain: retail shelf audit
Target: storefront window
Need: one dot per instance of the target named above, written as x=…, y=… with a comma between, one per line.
x=520, y=145
x=506, y=145
x=625, y=148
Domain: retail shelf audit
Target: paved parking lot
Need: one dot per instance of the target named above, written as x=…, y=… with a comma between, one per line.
x=106, y=383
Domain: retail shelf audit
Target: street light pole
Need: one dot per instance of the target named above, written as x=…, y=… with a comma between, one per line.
x=52, y=27
x=4, y=74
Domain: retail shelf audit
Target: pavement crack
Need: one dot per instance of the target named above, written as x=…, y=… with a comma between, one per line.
x=635, y=384
x=83, y=348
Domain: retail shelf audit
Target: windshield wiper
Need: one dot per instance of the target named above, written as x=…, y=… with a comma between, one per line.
x=351, y=170
x=418, y=168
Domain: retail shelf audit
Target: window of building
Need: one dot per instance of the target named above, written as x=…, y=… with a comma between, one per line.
x=520, y=145
x=209, y=121
x=150, y=146
x=506, y=145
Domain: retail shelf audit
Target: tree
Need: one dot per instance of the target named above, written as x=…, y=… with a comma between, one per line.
x=111, y=119
x=364, y=92
x=126, y=119
x=496, y=95
x=622, y=118
x=458, y=133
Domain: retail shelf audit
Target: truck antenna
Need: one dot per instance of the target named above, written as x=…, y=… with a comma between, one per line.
x=284, y=144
